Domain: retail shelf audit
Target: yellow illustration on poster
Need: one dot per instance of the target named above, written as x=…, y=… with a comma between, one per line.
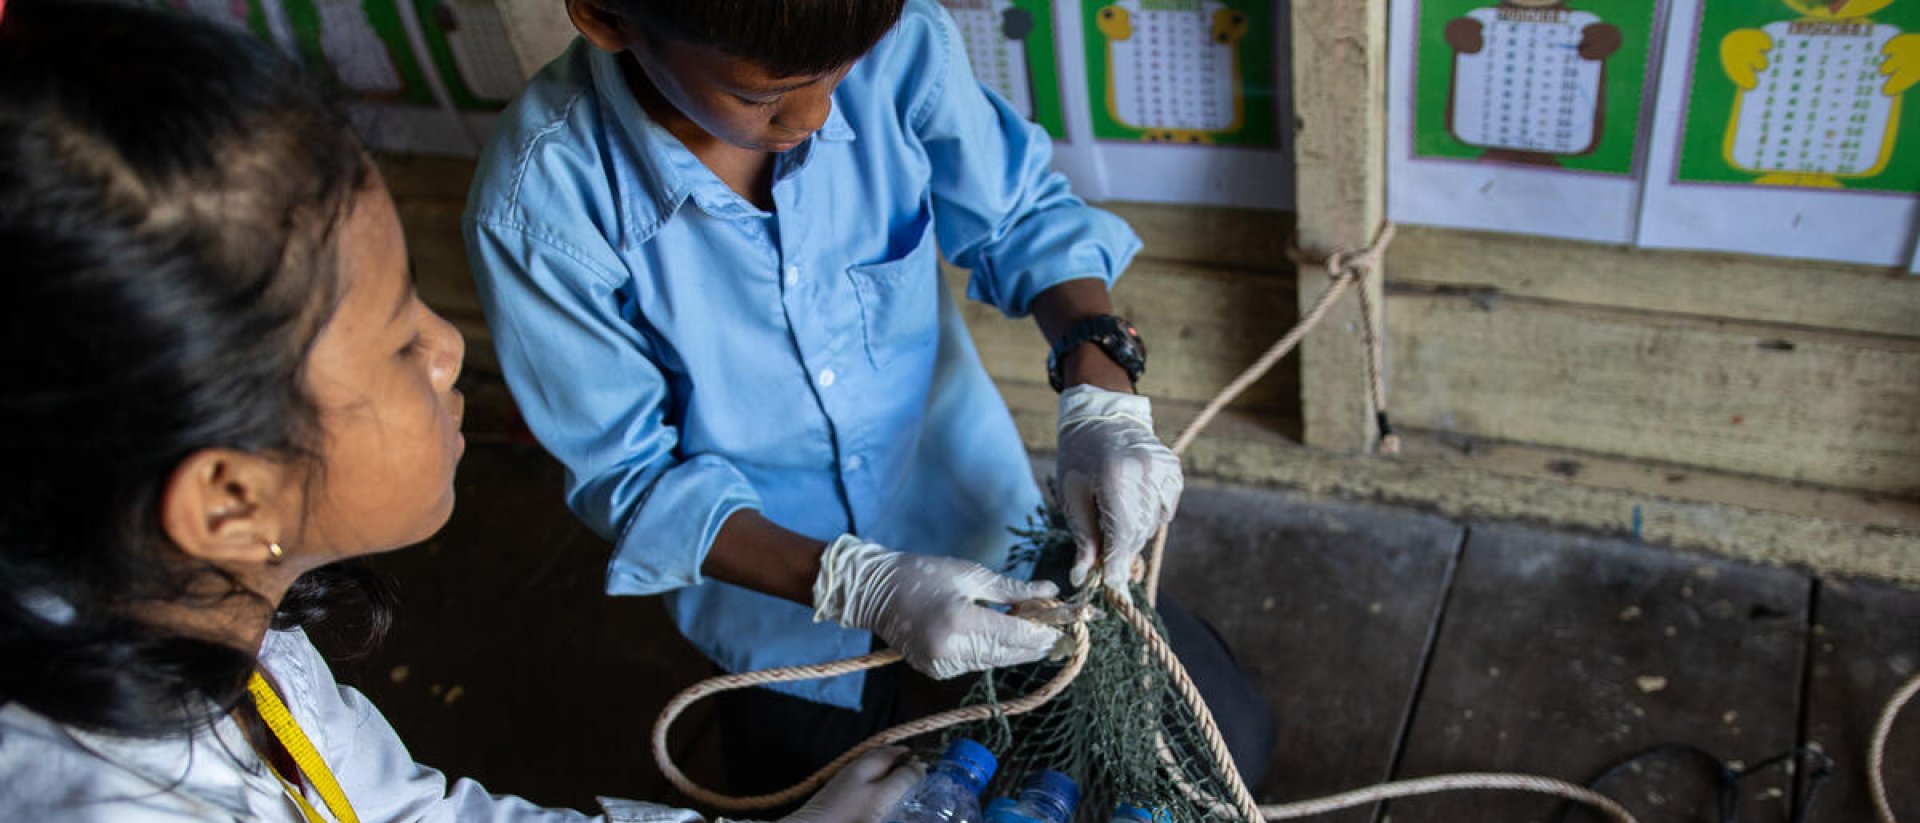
x=1782, y=130
x=1818, y=97
x=1182, y=71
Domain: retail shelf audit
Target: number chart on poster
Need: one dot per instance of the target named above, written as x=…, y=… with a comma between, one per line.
x=1012, y=47
x=1804, y=93
x=1181, y=71
x=1519, y=115
x=1782, y=130
x=1551, y=83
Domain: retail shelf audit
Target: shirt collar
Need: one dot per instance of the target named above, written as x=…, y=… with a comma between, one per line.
x=648, y=160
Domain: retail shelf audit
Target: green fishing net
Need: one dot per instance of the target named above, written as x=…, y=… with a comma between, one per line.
x=1121, y=730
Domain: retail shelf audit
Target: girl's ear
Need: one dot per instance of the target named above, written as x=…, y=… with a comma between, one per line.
x=602, y=27
x=227, y=507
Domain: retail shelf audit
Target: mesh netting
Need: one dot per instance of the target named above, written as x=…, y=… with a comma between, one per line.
x=1121, y=730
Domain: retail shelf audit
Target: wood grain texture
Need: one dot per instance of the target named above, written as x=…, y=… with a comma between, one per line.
x=1339, y=71
x=1202, y=327
x=1262, y=449
x=1821, y=408
x=1795, y=292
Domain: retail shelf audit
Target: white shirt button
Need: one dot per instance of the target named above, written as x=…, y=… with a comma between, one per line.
x=826, y=378
x=793, y=275
x=854, y=463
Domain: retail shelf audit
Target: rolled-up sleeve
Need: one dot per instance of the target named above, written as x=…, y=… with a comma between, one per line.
x=589, y=391
x=999, y=210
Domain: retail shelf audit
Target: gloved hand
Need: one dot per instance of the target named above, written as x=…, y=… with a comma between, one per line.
x=926, y=607
x=863, y=791
x=1117, y=482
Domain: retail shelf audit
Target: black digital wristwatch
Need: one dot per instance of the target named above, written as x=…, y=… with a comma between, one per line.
x=1113, y=334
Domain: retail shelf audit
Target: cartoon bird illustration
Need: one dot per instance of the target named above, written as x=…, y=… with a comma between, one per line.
x=1529, y=80
x=1818, y=97
x=1174, y=67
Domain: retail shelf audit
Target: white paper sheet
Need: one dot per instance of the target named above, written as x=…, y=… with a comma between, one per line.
x=1526, y=102
x=1239, y=176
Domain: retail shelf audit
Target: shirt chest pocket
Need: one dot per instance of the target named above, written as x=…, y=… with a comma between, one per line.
x=899, y=297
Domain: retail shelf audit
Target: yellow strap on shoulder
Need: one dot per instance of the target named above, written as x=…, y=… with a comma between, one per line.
x=305, y=756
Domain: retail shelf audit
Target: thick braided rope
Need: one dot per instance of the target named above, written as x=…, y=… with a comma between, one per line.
x=1077, y=630
x=1347, y=268
x=1877, y=752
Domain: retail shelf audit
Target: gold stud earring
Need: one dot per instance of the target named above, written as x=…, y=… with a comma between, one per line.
x=275, y=554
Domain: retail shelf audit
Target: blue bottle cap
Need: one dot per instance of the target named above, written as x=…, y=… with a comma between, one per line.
x=978, y=762
x=1058, y=784
x=1126, y=812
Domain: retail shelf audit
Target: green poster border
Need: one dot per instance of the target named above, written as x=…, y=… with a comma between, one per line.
x=304, y=16
x=464, y=98
x=1043, y=68
x=1628, y=73
x=1256, y=77
x=1710, y=97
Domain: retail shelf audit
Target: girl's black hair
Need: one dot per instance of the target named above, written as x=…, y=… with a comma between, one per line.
x=169, y=195
x=788, y=38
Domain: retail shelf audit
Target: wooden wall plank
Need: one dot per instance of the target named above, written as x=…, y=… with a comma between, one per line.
x=1212, y=235
x=1339, y=71
x=1818, y=408
x=1202, y=327
x=1797, y=292
x=1561, y=655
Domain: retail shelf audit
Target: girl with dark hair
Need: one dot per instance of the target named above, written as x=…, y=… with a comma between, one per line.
x=219, y=385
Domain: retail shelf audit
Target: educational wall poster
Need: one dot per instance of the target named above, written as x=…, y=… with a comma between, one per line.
x=1520, y=115
x=1781, y=128
x=1013, y=50
x=1192, y=105
x=1181, y=71
x=422, y=75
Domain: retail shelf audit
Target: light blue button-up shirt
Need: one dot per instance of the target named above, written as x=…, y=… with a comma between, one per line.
x=687, y=355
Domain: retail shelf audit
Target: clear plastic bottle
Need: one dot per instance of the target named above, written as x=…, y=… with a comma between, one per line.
x=950, y=793
x=1133, y=814
x=1048, y=797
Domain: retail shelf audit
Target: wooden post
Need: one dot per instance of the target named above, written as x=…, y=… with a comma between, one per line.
x=1339, y=79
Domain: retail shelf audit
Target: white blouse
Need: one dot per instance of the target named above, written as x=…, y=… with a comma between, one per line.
x=52, y=773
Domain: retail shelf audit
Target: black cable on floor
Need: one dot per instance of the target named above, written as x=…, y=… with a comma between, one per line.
x=1727, y=777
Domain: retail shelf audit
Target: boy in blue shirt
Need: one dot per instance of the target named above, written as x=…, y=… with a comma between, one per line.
x=706, y=241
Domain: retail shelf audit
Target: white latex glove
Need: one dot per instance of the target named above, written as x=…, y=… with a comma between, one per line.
x=1117, y=482
x=929, y=607
x=863, y=791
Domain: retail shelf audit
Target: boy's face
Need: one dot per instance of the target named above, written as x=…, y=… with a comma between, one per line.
x=734, y=99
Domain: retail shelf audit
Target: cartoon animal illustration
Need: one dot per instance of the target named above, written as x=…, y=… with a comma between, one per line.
x=1818, y=98
x=1174, y=67
x=995, y=33
x=1529, y=80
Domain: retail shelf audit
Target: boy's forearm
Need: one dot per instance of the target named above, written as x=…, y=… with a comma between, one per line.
x=755, y=553
x=1057, y=309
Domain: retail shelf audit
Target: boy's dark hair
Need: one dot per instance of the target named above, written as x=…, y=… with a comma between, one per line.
x=786, y=37
x=169, y=195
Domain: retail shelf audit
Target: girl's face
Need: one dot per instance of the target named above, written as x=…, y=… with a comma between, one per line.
x=382, y=373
